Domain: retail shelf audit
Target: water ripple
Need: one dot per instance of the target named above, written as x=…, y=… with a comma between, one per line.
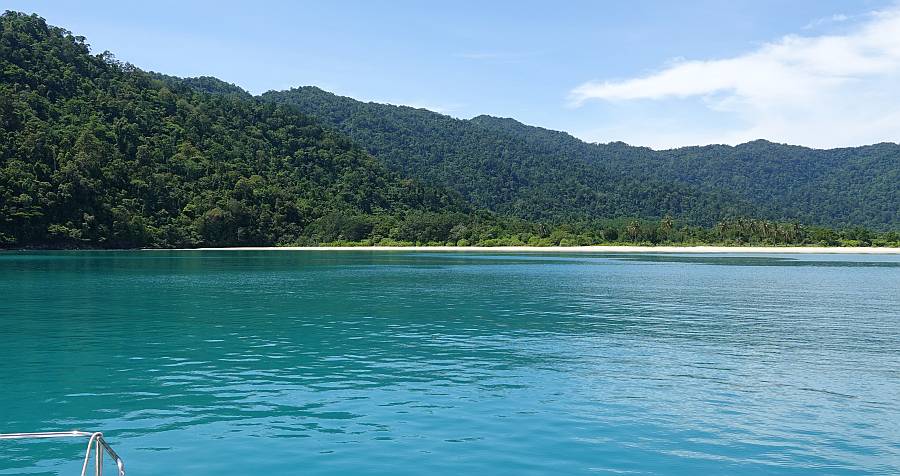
x=405, y=363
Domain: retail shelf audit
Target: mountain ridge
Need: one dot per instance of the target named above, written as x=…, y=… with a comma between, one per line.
x=528, y=177
x=830, y=187
x=95, y=152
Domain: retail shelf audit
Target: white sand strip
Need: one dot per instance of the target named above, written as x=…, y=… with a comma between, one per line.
x=578, y=249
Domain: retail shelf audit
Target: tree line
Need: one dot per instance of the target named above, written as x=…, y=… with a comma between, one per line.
x=486, y=229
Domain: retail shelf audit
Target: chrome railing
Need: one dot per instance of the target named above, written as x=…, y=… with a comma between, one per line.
x=96, y=445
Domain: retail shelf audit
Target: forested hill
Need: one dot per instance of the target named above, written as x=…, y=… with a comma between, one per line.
x=836, y=187
x=537, y=173
x=94, y=152
x=540, y=175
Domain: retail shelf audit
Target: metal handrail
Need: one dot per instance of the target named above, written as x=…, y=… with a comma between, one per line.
x=95, y=443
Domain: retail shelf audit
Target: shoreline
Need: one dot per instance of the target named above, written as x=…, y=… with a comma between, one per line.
x=870, y=250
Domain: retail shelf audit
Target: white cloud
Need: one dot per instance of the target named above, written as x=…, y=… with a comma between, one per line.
x=836, y=18
x=824, y=91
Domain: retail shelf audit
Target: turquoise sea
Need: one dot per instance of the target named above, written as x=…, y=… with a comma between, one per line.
x=396, y=363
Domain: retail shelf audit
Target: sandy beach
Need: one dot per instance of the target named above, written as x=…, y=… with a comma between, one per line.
x=585, y=249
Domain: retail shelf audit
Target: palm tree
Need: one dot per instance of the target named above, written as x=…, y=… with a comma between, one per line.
x=633, y=229
x=666, y=225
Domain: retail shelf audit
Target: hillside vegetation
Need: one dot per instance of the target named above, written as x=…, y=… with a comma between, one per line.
x=535, y=173
x=94, y=152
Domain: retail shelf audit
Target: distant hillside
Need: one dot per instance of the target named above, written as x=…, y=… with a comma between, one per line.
x=94, y=152
x=837, y=187
x=532, y=172
x=538, y=174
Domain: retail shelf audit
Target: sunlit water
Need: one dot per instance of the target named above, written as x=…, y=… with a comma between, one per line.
x=282, y=363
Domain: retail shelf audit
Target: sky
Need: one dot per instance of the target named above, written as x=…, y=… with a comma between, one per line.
x=662, y=74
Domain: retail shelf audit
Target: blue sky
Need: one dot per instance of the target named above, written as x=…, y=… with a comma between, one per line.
x=658, y=73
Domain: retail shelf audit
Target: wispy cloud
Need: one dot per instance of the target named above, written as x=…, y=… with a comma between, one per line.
x=830, y=20
x=826, y=90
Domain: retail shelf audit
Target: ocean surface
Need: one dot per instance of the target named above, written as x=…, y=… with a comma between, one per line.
x=397, y=363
